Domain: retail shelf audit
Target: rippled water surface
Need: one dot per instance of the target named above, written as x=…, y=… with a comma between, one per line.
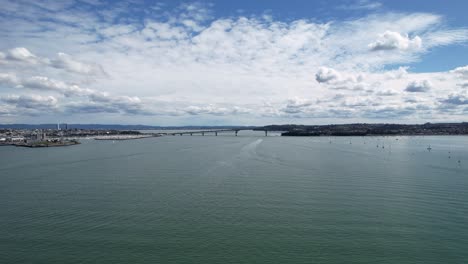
x=245, y=199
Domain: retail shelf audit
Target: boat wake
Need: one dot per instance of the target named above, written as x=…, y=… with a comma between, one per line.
x=250, y=149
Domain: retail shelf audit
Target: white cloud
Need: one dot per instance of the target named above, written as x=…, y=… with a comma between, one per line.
x=461, y=72
x=395, y=41
x=124, y=104
x=215, y=110
x=94, y=100
x=62, y=61
x=456, y=99
x=68, y=63
x=121, y=106
x=387, y=93
x=446, y=37
x=30, y=104
x=418, y=86
x=116, y=30
x=362, y=5
x=19, y=54
x=187, y=63
x=45, y=83
x=298, y=105
x=8, y=79
x=164, y=31
x=325, y=75
x=397, y=74
x=341, y=80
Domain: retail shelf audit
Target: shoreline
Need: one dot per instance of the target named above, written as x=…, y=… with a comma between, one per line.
x=120, y=137
x=47, y=145
x=289, y=134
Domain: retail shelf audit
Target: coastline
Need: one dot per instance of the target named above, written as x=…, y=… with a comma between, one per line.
x=47, y=144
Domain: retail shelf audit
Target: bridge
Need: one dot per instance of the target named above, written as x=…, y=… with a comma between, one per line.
x=208, y=132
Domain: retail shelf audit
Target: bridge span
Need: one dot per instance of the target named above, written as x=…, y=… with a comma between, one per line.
x=208, y=132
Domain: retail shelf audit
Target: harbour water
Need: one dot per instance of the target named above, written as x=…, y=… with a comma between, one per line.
x=245, y=199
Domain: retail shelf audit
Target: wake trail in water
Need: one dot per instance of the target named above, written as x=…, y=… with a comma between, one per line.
x=247, y=152
x=250, y=149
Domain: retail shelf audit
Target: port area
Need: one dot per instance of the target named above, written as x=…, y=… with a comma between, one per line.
x=123, y=137
x=37, y=138
x=46, y=143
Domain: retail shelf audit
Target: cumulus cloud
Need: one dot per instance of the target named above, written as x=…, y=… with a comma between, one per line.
x=45, y=83
x=325, y=75
x=184, y=62
x=30, y=104
x=124, y=104
x=297, y=105
x=215, y=110
x=21, y=54
x=418, y=86
x=390, y=112
x=387, y=93
x=68, y=63
x=8, y=79
x=398, y=73
x=63, y=61
x=456, y=99
x=341, y=80
x=96, y=100
x=127, y=106
x=461, y=72
x=391, y=40
x=90, y=108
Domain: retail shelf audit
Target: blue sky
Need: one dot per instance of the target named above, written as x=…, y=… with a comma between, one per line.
x=233, y=62
x=454, y=13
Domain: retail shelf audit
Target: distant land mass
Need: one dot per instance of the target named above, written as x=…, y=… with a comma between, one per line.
x=363, y=129
x=356, y=129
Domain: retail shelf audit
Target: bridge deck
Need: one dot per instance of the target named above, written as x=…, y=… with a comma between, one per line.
x=202, y=132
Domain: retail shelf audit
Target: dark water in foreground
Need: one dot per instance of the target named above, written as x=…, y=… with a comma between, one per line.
x=246, y=199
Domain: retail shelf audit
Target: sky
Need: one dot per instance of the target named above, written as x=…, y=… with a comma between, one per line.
x=233, y=62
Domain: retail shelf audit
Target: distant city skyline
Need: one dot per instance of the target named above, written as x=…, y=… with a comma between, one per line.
x=175, y=63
